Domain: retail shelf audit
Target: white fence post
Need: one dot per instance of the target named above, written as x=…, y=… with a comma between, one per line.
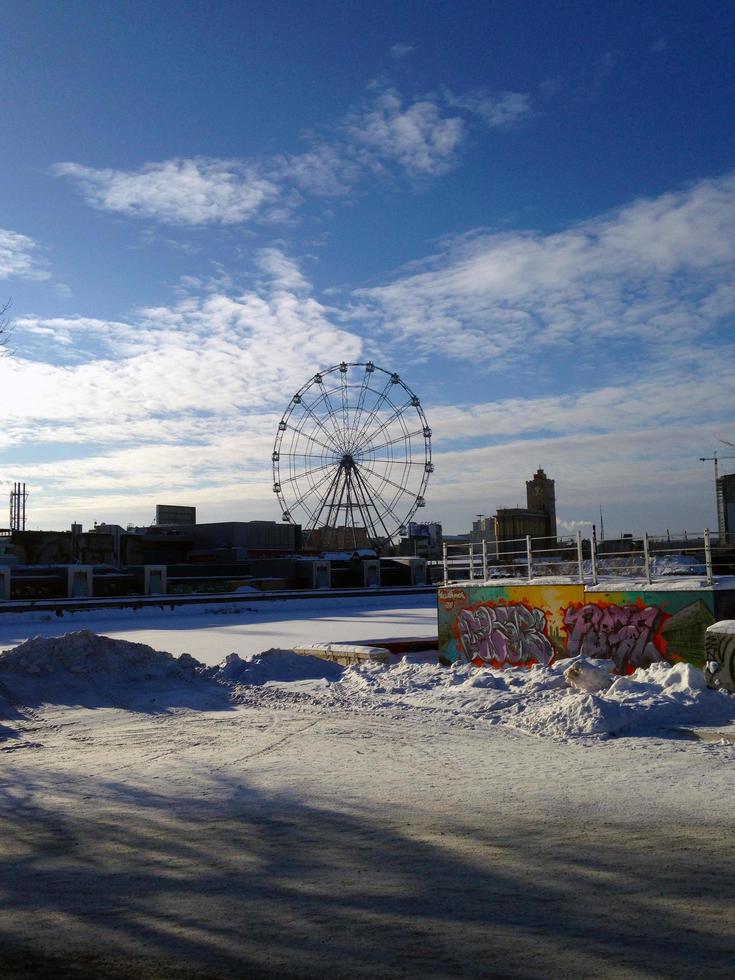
x=646, y=561
x=472, y=560
x=580, y=562
x=708, y=556
x=529, y=558
x=593, y=557
x=484, y=560
x=445, y=563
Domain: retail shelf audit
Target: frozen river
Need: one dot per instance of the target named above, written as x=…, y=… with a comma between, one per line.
x=209, y=632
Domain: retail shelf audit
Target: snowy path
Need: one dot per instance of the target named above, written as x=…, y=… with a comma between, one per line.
x=276, y=840
x=210, y=632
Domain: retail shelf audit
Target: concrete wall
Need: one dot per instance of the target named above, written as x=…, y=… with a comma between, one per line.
x=503, y=626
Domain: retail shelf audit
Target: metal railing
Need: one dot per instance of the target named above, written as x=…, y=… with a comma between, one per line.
x=651, y=557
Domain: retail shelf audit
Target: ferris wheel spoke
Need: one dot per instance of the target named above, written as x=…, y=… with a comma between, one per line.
x=397, y=415
x=302, y=474
x=335, y=457
x=402, y=462
x=332, y=414
x=327, y=434
x=380, y=476
x=378, y=496
x=343, y=392
x=299, y=501
x=311, y=438
x=364, y=388
x=373, y=413
x=402, y=438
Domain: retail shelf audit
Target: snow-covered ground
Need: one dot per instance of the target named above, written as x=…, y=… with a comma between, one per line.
x=277, y=816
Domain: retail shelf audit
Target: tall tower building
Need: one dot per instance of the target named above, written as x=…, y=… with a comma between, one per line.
x=726, y=508
x=540, y=496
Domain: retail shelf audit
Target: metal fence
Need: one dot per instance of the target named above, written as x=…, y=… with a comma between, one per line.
x=651, y=557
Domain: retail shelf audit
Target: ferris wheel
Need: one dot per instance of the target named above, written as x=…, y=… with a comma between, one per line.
x=352, y=456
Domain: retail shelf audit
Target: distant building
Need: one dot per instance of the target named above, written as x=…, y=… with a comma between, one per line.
x=246, y=538
x=168, y=515
x=726, y=508
x=541, y=496
x=422, y=541
x=483, y=529
x=537, y=520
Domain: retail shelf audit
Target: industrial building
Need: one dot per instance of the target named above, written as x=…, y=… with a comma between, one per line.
x=726, y=508
x=537, y=519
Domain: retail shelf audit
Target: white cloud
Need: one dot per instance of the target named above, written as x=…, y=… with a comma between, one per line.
x=657, y=272
x=183, y=397
x=399, y=51
x=419, y=137
x=325, y=170
x=181, y=191
x=499, y=111
x=19, y=257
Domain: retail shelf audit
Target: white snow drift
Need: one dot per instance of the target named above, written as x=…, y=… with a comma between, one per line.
x=570, y=699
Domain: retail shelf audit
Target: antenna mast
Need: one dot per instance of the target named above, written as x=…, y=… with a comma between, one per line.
x=18, y=497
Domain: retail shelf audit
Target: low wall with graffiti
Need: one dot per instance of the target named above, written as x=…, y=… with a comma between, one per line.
x=519, y=626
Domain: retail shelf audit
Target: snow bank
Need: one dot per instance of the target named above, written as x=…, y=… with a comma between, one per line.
x=86, y=653
x=275, y=666
x=564, y=701
x=93, y=671
x=570, y=699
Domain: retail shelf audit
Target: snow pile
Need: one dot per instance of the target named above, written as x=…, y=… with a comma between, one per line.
x=569, y=699
x=86, y=653
x=659, y=698
x=462, y=690
x=93, y=671
x=572, y=698
x=274, y=666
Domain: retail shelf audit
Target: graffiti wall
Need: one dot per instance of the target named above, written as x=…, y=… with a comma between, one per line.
x=519, y=626
x=503, y=626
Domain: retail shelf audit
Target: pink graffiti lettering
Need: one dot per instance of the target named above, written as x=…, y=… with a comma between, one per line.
x=500, y=635
x=623, y=634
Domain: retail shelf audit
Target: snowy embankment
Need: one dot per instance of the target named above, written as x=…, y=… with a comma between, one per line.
x=571, y=699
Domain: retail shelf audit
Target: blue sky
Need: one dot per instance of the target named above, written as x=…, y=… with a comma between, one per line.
x=527, y=209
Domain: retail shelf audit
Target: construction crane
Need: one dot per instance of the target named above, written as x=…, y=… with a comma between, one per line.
x=717, y=457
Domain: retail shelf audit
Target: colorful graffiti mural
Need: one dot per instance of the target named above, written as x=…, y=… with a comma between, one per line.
x=628, y=635
x=499, y=635
x=503, y=626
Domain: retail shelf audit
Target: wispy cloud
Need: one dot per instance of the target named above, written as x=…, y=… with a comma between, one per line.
x=399, y=50
x=196, y=191
x=498, y=111
x=658, y=272
x=420, y=137
x=214, y=371
x=20, y=257
x=215, y=353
